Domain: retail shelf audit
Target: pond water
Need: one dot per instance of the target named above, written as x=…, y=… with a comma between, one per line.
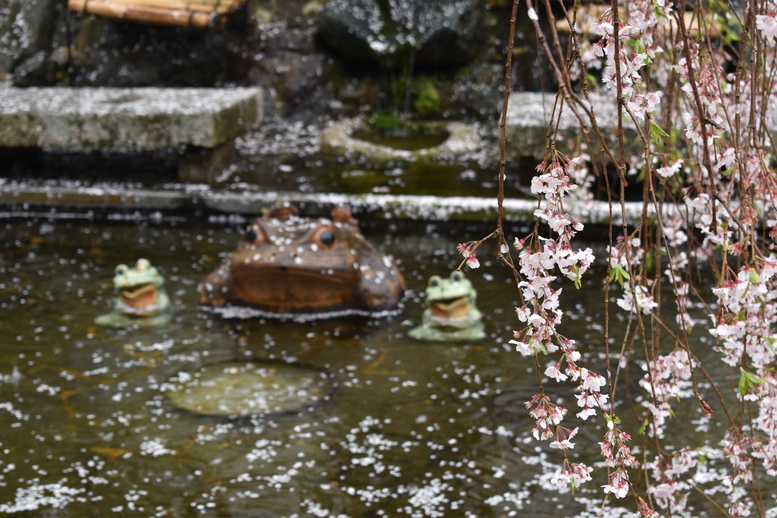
x=411, y=428
x=282, y=157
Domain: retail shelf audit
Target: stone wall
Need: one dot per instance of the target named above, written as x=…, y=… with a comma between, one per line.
x=281, y=45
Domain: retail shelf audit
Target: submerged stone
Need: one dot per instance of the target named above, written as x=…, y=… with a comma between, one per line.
x=249, y=388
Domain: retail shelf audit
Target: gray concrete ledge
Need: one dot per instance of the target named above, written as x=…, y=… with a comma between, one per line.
x=24, y=197
x=137, y=118
x=529, y=115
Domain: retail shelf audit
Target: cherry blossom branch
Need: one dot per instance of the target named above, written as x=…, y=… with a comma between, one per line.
x=715, y=162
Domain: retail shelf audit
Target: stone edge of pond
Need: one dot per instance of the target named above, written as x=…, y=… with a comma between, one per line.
x=338, y=139
x=22, y=197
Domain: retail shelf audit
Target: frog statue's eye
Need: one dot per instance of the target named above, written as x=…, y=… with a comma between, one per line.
x=324, y=237
x=121, y=269
x=254, y=235
x=142, y=265
x=434, y=281
x=457, y=276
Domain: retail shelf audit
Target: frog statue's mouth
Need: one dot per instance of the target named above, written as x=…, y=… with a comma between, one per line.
x=284, y=289
x=139, y=295
x=456, y=307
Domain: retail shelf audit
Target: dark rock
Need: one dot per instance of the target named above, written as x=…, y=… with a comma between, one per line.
x=36, y=70
x=25, y=29
x=119, y=53
x=288, y=63
x=475, y=94
x=433, y=34
x=108, y=52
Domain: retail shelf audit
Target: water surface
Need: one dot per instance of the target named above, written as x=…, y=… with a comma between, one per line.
x=412, y=429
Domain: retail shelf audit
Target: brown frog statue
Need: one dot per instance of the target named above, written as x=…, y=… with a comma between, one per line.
x=287, y=264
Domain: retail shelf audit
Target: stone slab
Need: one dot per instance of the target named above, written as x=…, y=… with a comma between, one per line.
x=64, y=196
x=136, y=118
x=529, y=115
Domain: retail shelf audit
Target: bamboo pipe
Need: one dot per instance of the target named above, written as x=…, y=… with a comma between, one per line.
x=156, y=3
x=219, y=6
x=210, y=4
x=201, y=6
x=183, y=18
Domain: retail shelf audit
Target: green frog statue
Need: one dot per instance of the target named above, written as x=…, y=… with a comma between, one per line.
x=141, y=300
x=450, y=314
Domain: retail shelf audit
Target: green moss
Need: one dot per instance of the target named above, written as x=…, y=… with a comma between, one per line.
x=427, y=102
x=387, y=123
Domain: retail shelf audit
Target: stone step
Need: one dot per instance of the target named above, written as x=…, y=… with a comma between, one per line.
x=204, y=120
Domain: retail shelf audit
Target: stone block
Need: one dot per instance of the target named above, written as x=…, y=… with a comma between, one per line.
x=203, y=121
x=529, y=116
x=135, y=118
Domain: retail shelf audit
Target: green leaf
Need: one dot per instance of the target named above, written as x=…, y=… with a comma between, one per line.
x=639, y=48
x=619, y=275
x=742, y=388
x=656, y=130
x=578, y=277
x=659, y=12
x=748, y=381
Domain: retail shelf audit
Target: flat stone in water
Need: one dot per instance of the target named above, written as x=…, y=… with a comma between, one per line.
x=249, y=388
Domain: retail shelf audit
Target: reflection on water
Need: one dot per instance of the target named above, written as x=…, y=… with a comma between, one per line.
x=413, y=429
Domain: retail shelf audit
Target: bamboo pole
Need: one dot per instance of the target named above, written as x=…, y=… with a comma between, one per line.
x=219, y=6
x=182, y=18
x=198, y=5
x=176, y=12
